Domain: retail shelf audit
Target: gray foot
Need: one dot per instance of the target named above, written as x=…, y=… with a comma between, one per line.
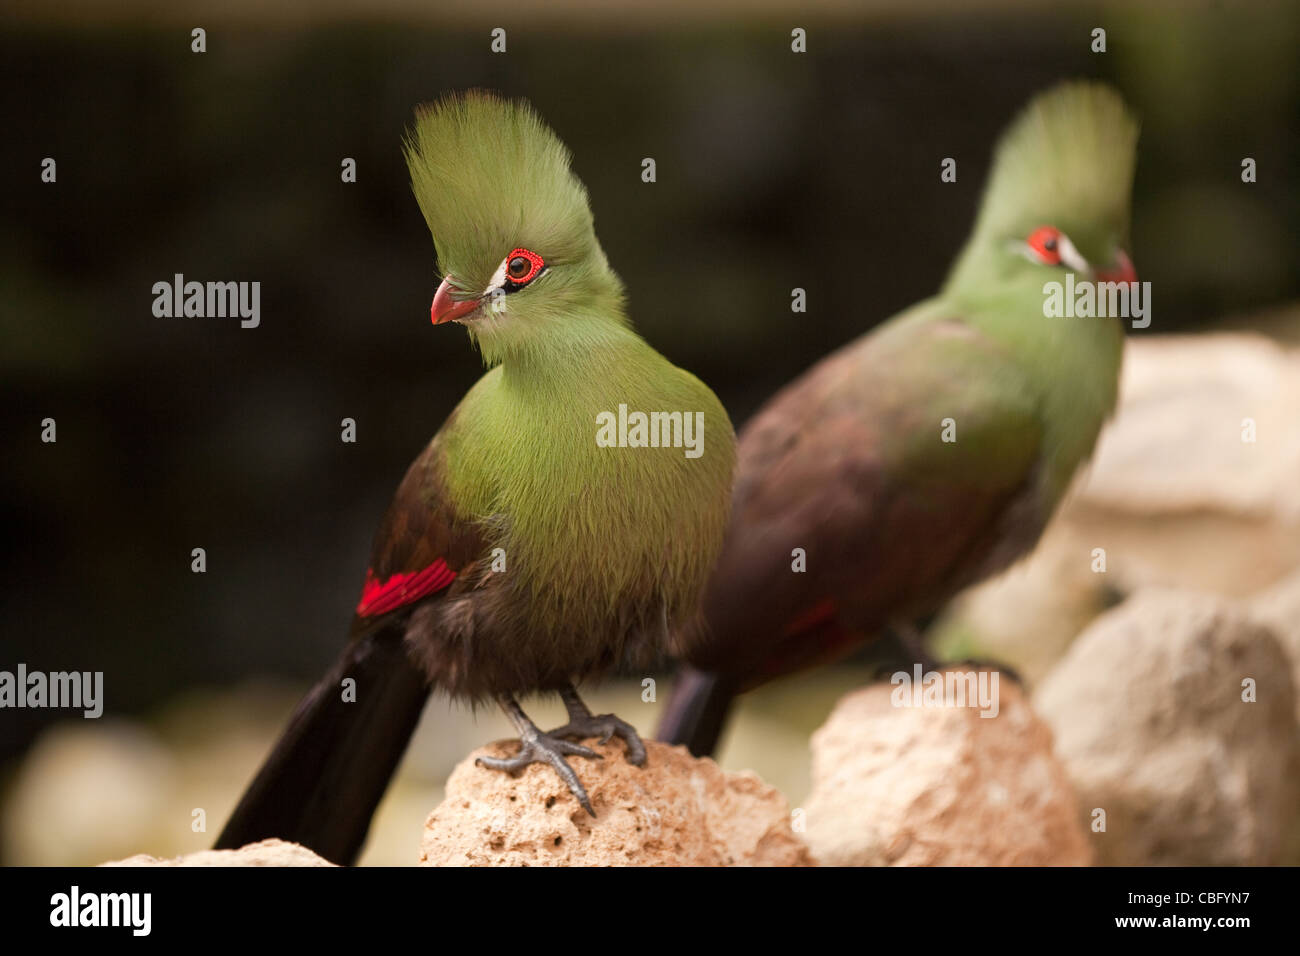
x=604, y=726
x=536, y=747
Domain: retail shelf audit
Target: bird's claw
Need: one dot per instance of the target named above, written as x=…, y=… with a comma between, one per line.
x=546, y=748
x=604, y=726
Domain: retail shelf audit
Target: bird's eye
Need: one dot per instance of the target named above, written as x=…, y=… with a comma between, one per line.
x=522, y=267
x=1045, y=243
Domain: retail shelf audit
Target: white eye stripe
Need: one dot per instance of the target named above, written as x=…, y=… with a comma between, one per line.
x=1070, y=256
x=498, y=280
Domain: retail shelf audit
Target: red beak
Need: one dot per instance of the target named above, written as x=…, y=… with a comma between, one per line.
x=1121, y=271
x=445, y=308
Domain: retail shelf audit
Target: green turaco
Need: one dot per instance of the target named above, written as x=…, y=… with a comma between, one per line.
x=931, y=452
x=560, y=524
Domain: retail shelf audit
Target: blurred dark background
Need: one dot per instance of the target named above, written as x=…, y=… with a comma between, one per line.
x=775, y=170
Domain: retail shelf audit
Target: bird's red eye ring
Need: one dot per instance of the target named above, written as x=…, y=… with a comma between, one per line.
x=522, y=266
x=1045, y=242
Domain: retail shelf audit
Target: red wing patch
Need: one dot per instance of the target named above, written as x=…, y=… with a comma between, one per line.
x=380, y=597
x=819, y=613
x=812, y=638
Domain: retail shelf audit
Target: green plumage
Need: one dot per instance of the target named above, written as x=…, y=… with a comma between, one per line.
x=473, y=149
x=607, y=549
x=518, y=554
x=1028, y=393
x=850, y=465
x=489, y=177
x=1066, y=161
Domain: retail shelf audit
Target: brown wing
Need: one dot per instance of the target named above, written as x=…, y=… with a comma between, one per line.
x=422, y=547
x=846, y=466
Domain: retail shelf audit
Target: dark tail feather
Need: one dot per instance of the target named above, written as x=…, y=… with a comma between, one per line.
x=697, y=711
x=330, y=768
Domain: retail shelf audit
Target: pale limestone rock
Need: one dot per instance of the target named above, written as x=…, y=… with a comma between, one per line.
x=916, y=786
x=1279, y=608
x=674, y=811
x=1174, y=496
x=91, y=790
x=1149, y=718
x=1176, y=447
x=264, y=853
